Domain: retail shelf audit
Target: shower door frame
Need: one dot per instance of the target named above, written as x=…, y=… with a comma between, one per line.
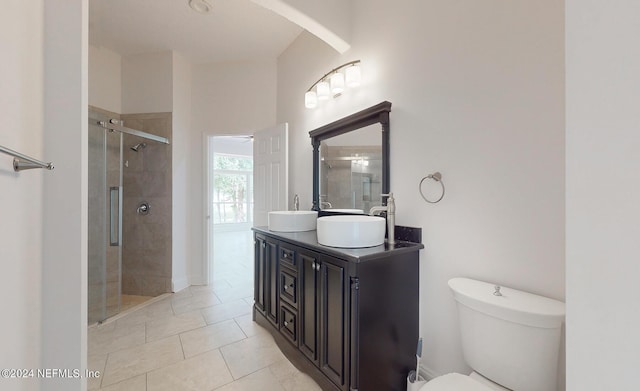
x=105, y=234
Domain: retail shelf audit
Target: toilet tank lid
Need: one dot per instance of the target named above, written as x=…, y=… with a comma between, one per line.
x=514, y=305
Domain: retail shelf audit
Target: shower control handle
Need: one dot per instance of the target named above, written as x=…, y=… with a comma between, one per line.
x=144, y=208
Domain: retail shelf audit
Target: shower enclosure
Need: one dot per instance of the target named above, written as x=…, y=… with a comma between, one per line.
x=105, y=220
x=110, y=146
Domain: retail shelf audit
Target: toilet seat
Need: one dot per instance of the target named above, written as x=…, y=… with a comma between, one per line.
x=454, y=382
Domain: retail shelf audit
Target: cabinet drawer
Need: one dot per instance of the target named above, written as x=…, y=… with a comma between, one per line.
x=287, y=257
x=288, y=323
x=289, y=288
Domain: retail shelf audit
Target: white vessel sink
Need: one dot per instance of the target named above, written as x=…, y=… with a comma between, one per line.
x=292, y=220
x=351, y=231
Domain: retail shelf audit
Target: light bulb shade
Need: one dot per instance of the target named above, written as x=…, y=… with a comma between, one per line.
x=323, y=90
x=353, y=75
x=310, y=100
x=337, y=83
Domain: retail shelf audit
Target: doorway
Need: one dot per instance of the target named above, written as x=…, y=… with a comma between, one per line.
x=230, y=205
x=240, y=171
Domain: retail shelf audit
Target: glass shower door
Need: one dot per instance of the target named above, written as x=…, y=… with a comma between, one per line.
x=105, y=222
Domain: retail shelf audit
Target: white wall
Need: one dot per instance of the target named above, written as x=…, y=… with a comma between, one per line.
x=21, y=106
x=306, y=59
x=183, y=247
x=478, y=94
x=234, y=98
x=44, y=79
x=64, y=252
x=105, y=79
x=147, y=83
x=603, y=190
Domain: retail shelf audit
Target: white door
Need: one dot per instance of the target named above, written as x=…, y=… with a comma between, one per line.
x=270, y=172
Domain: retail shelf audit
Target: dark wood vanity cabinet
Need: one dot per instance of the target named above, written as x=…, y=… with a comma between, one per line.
x=349, y=318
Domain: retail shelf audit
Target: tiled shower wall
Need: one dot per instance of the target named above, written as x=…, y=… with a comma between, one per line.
x=146, y=253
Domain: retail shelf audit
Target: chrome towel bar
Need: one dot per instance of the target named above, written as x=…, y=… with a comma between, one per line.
x=24, y=162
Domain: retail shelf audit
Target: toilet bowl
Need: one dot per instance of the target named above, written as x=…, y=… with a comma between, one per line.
x=511, y=337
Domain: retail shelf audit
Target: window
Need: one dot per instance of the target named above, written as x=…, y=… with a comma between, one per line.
x=232, y=189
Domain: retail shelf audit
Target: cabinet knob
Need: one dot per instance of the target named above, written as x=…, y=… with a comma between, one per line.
x=286, y=287
x=285, y=255
x=285, y=323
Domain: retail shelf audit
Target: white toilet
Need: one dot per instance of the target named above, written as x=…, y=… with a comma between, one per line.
x=510, y=338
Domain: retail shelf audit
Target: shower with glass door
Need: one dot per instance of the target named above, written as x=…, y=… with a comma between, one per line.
x=105, y=220
x=109, y=143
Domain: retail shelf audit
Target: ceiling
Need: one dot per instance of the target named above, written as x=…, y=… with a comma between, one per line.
x=234, y=30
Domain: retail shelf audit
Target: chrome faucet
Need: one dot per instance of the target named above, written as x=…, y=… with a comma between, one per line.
x=296, y=202
x=391, y=216
x=324, y=204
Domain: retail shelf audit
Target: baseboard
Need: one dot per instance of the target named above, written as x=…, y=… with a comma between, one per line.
x=179, y=284
x=197, y=280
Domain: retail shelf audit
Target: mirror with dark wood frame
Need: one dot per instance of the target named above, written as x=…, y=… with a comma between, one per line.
x=351, y=162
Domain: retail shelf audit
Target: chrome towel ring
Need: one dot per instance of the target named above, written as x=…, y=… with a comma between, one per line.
x=436, y=176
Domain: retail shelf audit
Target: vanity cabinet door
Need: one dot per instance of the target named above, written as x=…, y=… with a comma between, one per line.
x=265, y=291
x=324, y=324
x=272, y=292
x=334, y=321
x=260, y=270
x=308, y=310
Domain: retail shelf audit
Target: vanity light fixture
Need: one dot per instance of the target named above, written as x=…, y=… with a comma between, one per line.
x=333, y=83
x=200, y=6
x=323, y=90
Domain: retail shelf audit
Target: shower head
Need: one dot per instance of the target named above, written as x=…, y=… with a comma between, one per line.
x=139, y=146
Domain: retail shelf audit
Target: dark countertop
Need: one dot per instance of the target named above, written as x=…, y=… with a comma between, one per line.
x=309, y=240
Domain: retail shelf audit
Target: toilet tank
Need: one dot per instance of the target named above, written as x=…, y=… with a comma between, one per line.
x=512, y=339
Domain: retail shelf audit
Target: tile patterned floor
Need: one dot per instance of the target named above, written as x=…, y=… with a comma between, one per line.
x=129, y=301
x=200, y=339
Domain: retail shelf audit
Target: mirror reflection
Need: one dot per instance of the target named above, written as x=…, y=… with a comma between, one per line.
x=351, y=170
x=351, y=162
